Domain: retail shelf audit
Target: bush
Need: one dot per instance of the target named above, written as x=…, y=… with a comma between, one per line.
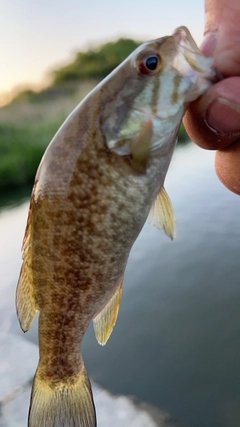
x=95, y=64
x=21, y=148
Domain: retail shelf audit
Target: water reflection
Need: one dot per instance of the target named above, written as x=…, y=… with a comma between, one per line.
x=177, y=340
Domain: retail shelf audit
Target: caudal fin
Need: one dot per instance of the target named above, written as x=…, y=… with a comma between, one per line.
x=62, y=405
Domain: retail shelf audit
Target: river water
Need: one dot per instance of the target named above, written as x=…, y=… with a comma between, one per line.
x=176, y=343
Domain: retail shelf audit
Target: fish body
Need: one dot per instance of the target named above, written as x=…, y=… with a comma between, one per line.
x=99, y=178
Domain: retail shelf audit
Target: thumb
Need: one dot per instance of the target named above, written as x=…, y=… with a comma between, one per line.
x=222, y=35
x=213, y=120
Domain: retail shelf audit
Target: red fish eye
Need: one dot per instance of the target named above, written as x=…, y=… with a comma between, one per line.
x=149, y=65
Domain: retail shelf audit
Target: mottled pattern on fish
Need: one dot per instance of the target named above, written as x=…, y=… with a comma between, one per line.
x=95, y=186
x=85, y=250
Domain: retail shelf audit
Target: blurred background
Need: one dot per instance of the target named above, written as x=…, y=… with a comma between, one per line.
x=176, y=344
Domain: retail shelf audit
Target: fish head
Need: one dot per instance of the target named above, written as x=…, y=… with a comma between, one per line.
x=151, y=91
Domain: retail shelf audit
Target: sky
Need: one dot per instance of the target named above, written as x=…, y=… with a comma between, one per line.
x=38, y=36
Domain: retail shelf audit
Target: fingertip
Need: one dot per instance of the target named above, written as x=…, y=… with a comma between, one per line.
x=227, y=165
x=197, y=126
x=213, y=120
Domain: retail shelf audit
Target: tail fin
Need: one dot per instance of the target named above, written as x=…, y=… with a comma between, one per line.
x=62, y=405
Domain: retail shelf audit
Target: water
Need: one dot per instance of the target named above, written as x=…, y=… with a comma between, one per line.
x=176, y=343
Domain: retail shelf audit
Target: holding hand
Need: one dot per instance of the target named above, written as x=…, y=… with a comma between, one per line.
x=213, y=121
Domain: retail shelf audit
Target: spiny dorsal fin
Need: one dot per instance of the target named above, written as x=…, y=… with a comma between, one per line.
x=162, y=214
x=141, y=147
x=25, y=301
x=104, y=322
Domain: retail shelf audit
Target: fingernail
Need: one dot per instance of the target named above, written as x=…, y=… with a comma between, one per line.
x=224, y=116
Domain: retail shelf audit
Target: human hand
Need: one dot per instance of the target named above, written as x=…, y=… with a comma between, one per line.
x=213, y=121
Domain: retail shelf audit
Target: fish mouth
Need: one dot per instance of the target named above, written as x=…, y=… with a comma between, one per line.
x=190, y=61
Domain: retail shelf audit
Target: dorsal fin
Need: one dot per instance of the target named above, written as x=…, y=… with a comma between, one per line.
x=162, y=214
x=104, y=322
x=25, y=301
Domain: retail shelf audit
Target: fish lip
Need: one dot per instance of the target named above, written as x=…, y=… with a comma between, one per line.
x=184, y=40
x=190, y=62
x=177, y=35
x=186, y=45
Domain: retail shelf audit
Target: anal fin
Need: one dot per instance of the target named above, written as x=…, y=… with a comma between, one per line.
x=104, y=322
x=162, y=214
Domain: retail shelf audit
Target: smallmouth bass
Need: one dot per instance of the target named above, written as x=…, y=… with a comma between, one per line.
x=98, y=179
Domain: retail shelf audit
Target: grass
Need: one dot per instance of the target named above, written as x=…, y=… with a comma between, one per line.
x=28, y=124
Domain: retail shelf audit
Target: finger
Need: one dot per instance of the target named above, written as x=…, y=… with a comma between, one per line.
x=210, y=123
x=227, y=165
x=222, y=35
x=213, y=121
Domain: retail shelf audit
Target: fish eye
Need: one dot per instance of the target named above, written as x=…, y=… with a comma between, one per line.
x=149, y=64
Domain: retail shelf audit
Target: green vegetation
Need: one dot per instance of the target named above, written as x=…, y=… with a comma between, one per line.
x=95, y=64
x=28, y=124
x=22, y=147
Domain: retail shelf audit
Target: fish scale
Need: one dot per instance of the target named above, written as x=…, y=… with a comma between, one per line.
x=95, y=186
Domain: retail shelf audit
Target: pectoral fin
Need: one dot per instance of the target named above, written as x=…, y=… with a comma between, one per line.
x=162, y=214
x=141, y=146
x=25, y=301
x=104, y=322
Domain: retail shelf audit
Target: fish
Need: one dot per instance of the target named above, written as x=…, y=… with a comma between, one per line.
x=98, y=180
